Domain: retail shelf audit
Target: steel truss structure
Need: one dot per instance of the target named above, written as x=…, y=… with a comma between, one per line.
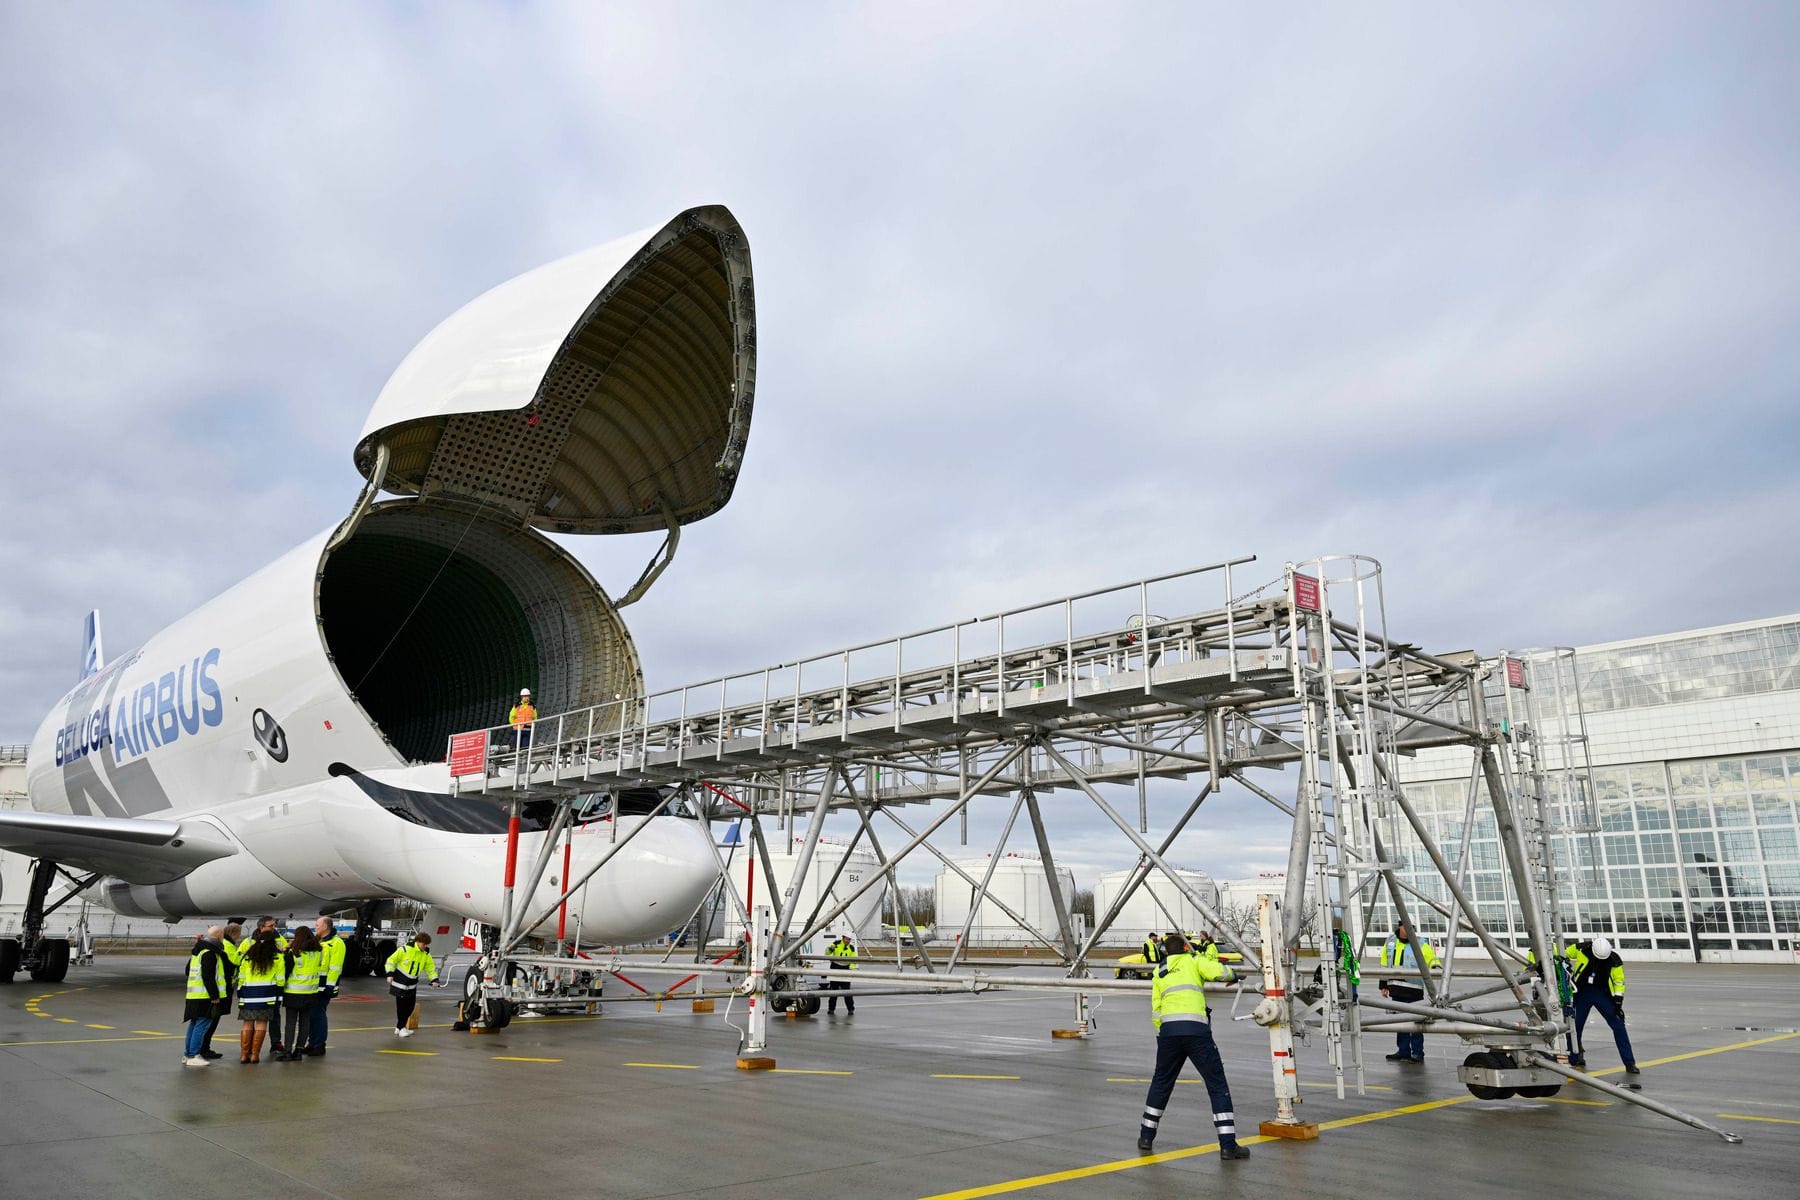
x=1294, y=687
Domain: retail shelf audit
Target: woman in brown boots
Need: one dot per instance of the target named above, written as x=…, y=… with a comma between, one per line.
x=261, y=974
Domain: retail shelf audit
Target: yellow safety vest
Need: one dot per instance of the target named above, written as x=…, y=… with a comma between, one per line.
x=303, y=975
x=196, y=974
x=411, y=963
x=1397, y=953
x=331, y=958
x=1176, y=998
x=521, y=715
x=1578, y=964
x=842, y=950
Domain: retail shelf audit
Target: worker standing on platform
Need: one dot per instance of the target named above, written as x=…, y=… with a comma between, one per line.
x=844, y=951
x=331, y=967
x=1599, y=977
x=522, y=717
x=1398, y=952
x=1178, y=1011
x=205, y=993
x=405, y=967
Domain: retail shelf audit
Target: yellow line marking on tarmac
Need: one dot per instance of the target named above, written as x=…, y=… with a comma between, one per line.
x=154, y=1037
x=411, y=1053
x=514, y=1058
x=798, y=1071
x=1747, y=1117
x=666, y=1066
x=975, y=1076
x=1126, y=1164
x=68, y=1021
x=150, y=1032
x=93, y=1026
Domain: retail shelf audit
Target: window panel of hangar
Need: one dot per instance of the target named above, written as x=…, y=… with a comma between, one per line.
x=1662, y=882
x=1786, y=915
x=1615, y=815
x=1773, y=808
x=1596, y=918
x=1692, y=812
x=1705, y=883
x=1743, y=879
x=1611, y=783
x=1667, y=917
x=1784, y=878
x=1764, y=773
x=1647, y=779
x=1779, y=844
x=1652, y=814
x=1712, y=919
x=1725, y=776
x=1657, y=847
x=1738, y=847
x=1626, y=882
x=1631, y=918
x=1621, y=851
x=1750, y=916
x=1689, y=779
x=1731, y=811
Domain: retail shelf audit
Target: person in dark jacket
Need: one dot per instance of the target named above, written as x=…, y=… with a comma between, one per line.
x=1598, y=974
x=205, y=993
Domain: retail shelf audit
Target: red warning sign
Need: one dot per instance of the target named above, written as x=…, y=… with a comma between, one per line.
x=468, y=753
x=1515, y=673
x=1306, y=593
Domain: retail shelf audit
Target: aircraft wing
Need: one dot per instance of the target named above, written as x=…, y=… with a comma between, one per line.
x=135, y=850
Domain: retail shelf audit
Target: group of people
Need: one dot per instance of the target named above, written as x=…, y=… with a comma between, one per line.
x=1156, y=946
x=283, y=987
x=1595, y=977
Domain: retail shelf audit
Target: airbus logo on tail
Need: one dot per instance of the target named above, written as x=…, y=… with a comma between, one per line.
x=177, y=703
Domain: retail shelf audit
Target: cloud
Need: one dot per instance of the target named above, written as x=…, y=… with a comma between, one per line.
x=1047, y=299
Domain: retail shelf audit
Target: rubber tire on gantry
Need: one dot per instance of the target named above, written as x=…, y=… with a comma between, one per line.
x=780, y=983
x=9, y=959
x=1494, y=1062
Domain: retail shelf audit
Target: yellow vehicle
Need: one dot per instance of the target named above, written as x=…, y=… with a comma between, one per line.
x=1133, y=966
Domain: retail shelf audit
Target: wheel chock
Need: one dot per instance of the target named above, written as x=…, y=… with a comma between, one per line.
x=1068, y=1033
x=756, y=1064
x=703, y=1006
x=1304, y=1131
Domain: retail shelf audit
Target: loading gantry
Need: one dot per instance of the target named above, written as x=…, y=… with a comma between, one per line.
x=1295, y=685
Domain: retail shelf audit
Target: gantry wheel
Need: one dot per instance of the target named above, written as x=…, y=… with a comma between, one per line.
x=1494, y=1062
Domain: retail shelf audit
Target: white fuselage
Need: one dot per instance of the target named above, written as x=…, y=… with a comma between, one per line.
x=232, y=721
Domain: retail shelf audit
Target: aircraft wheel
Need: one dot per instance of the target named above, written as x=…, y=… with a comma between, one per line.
x=807, y=1006
x=779, y=983
x=9, y=959
x=53, y=967
x=1492, y=1061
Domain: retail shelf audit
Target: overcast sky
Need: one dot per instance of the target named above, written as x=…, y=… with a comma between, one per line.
x=1048, y=296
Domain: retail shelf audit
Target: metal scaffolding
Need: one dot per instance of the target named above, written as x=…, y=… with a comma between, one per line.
x=1295, y=685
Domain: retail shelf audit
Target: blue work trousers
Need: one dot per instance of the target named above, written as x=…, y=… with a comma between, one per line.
x=196, y=1035
x=321, y=1024
x=1411, y=1045
x=1587, y=999
x=1194, y=1044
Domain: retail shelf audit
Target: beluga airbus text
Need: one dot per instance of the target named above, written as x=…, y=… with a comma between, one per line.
x=282, y=747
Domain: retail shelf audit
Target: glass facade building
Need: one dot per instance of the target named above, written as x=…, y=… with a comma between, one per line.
x=1693, y=741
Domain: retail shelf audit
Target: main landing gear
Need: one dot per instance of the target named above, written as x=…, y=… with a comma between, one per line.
x=46, y=958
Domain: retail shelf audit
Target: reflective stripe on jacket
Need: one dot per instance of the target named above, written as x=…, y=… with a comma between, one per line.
x=261, y=986
x=1397, y=953
x=303, y=973
x=1177, y=1002
x=407, y=964
x=521, y=715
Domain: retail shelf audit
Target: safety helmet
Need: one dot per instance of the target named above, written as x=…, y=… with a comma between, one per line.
x=524, y=691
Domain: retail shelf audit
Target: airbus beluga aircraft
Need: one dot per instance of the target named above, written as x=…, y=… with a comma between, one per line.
x=282, y=747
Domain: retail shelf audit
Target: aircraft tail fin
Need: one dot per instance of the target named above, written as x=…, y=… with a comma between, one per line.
x=92, y=656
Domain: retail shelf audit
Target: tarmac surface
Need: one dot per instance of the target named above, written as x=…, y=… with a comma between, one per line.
x=912, y=1097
